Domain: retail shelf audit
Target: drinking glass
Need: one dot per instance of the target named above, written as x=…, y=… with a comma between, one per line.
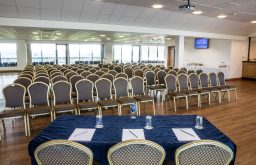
x=99, y=122
x=148, y=123
x=199, y=122
x=133, y=110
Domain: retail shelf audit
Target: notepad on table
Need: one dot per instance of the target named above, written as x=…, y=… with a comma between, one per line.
x=129, y=134
x=82, y=134
x=185, y=134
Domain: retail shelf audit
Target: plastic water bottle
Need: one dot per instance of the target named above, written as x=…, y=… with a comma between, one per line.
x=133, y=109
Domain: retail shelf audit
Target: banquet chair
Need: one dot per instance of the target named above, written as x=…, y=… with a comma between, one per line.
x=55, y=74
x=129, y=72
x=151, y=84
x=99, y=73
x=42, y=79
x=93, y=77
x=160, y=75
x=123, y=75
x=73, y=81
x=172, y=72
x=79, y=71
x=214, y=86
x=136, y=152
x=199, y=71
x=110, y=77
x=122, y=94
x=63, y=152
x=222, y=83
x=85, y=101
x=92, y=70
x=85, y=73
x=194, y=84
x=171, y=90
x=39, y=101
x=138, y=93
x=14, y=96
x=70, y=74
x=62, y=101
x=181, y=71
x=190, y=71
x=41, y=74
x=139, y=72
x=183, y=84
x=30, y=77
x=118, y=69
x=104, y=95
x=105, y=70
x=208, y=152
x=112, y=72
x=23, y=81
x=204, y=83
x=59, y=78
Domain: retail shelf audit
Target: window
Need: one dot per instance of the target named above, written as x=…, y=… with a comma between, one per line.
x=118, y=53
x=160, y=54
x=43, y=53
x=87, y=53
x=136, y=54
x=123, y=53
x=8, y=54
x=152, y=57
x=144, y=53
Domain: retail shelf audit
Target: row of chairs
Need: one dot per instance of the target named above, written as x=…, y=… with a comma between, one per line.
x=134, y=152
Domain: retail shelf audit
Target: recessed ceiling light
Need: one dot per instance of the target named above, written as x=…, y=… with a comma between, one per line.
x=108, y=38
x=197, y=12
x=55, y=37
x=93, y=38
x=168, y=39
x=222, y=16
x=121, y=36
x=58, y=33
x=157, y=6
x=85, y=40
x=253, y=21
x=35, y=32
x=36, y=36
x=103, y=35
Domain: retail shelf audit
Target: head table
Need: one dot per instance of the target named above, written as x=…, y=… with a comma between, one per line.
x=111, y=133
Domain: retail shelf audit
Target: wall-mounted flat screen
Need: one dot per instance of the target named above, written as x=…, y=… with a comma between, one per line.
x=201, y=43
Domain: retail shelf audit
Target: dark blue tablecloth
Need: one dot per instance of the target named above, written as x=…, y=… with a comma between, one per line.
x=111, y=134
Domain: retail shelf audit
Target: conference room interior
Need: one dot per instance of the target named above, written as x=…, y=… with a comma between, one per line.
x=215, y=37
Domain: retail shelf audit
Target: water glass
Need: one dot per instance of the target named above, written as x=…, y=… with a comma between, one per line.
x=99, y=122
x=148, y=123
x=199, y=122
x=133, y=110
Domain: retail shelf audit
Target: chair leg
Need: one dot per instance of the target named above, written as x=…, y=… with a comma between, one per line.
x=154, y=109
x=137, y=111
x=99, y=110
x=174, y=103
x=186, y=102
x=3, y=125
x=138, y=107
x=199, y=100
x=235, y=94
x=51, y=113
x=219, y=94
x=26, y=125
x=209, y=98
x=119, y=109
x=228, y=95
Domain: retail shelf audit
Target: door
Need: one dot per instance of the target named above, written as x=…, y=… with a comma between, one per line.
x=61, y=54
x=171, y=56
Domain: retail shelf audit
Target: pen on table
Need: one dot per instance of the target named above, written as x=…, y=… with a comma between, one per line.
x=133, y=133
x=186, y=132
x=80, y=133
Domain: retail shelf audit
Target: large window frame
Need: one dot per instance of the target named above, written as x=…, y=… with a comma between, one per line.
x=8, y=54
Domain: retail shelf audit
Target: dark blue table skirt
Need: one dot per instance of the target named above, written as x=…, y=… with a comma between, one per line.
x=111, y=134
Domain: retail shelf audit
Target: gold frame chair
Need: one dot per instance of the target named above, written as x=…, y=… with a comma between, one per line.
x=136, y=142
x=201, y=143
x=64, y=142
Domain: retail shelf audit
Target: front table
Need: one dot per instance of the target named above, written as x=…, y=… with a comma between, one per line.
x=111, y=134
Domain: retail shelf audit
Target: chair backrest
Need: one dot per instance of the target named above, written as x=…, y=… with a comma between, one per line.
x=221, y=78
x=14, y=96
x=93, y=70
x=105, y=70
x=190, y=71
x=111, y=67
x=199, y=71
x=93, y=77
x=172, y=72
x=193, y=81
x=213, y=79
x=182, y=81
x=171, y=83
x=41, y=74
x=84, y=89
x=121, y=87
x=73, y=81
x=160, y=77
x=99, y=73
x=128, y=71
x=64, y=152
x=59, y=78
x=137, y=86
x=56, y=74
x=204, y=80
x=113, y=72
x=150, y=78
x=103, y=89
x=136, y=152
x=204, y=152
x=23, y=81
x=181, y=71
x=42, y=79
x=167, y=70
x=70, y=74
x=108, y=76
x=26, y=76
x=79, y=71
x=118, y=69
x=38, y=94
x=85, y=73
x=124, y=75
x=139, y=72
x=61, y=92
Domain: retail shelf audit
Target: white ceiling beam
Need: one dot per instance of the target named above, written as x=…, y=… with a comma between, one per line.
x=110, y=27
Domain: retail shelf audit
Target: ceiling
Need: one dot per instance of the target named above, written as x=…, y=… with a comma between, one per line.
x=139, y=13
x=36, y=34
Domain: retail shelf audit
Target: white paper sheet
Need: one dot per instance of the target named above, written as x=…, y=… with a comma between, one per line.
x=82, y=134
x=185, y=134
x=129, y=134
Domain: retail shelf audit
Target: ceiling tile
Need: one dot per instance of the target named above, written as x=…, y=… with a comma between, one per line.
x=119, y=10
x=108, y=8
x=147, y=13
x=132, y=11
x=51, y=4
x=26, y=12
x=70, y=16
x=7, y=2
x=49, y=14
x=103, y=18
x=161, y=14
x=141, y=21
x=28, y=3
x=73, y=5
x=114, y=19
x=92, y=7
x=126, y=20
x=8, y=11
x=88, y=17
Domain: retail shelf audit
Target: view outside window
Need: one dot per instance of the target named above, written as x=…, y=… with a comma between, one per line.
x=43, y=53
x=8, y=54
x=135, y=54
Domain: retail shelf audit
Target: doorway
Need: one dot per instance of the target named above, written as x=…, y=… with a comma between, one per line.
x=171, y=56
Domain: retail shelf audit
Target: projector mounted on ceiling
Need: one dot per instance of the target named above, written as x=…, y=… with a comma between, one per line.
x=187, y=6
